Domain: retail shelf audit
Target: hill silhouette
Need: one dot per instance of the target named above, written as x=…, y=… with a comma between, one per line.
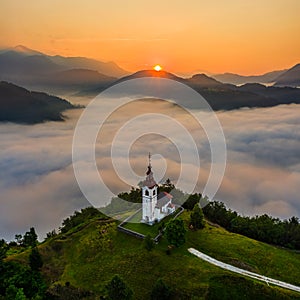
x=22, y=106
x=36, y=70
x=219, y=96
x=290, y=78
x=237, y=79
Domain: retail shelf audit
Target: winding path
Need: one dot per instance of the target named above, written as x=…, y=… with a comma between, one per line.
x=243, y=272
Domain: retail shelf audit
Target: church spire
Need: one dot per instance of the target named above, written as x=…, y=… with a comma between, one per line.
x=150, y=182
x=149, y=165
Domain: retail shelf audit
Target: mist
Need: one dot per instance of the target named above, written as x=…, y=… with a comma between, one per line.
x=38, y=187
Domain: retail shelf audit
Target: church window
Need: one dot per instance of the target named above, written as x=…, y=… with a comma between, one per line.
x=147, y=193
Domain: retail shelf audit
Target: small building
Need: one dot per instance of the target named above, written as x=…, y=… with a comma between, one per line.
x=155, y=206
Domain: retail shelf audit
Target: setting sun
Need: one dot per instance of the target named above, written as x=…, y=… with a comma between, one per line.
x=157, y=68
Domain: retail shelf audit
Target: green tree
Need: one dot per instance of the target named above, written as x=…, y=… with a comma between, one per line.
x=118, y=290
x=35, y=260
x=20, y=295
x=160, y=291
x=168, y=186
x=148, y=243
x=191, y=201
x=11, y=292
x=19, y=239
x=3, y=249
x=197, y=217
x=175, y=232
x=30, y=238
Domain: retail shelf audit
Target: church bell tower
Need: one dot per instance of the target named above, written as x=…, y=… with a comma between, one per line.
x=149, y=195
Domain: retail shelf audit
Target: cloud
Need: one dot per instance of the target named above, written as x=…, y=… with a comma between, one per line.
x=38, y=187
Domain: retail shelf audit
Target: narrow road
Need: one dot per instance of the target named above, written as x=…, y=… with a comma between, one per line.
x=243, y=272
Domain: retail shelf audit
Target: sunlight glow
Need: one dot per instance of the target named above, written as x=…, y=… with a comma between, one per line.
x=157, y=68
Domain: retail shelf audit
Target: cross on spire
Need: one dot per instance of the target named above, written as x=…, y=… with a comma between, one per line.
x=149, y=159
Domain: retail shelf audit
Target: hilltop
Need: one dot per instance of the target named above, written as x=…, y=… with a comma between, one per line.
x=87, y=254
x=55, y=74
x=22, y=106
x=219, y=96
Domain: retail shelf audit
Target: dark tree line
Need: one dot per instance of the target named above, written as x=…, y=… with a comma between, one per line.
x=18, y=281
x=263, y=228
x=29, y=239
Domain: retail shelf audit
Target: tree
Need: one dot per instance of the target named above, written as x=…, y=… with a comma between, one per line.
x=197, y=217
x=148, y=243
x=160, y=291
x=118, y=290
x=35, y=260
x=168, y=186
x=20, y=295
x=30, y=238
x=3, y=249
x=191, y=201
x=175, y=232
x=18, y=238
x=51, y=234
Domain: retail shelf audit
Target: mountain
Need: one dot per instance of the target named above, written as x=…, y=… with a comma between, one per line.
x=290, y=78
x=240, y=79
x=107, y=68
x=204, y=81
x=73, y=80
x=220, y=96
x=22, y=106
x=25, y=51
x=89, y=251
x=32, y=69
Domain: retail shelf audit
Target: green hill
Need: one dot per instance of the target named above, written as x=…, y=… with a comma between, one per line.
x=88, y=255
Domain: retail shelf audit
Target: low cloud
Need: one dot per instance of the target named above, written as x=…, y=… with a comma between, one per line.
x=38, y=187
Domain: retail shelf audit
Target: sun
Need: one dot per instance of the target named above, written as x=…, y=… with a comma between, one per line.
x=157, y=68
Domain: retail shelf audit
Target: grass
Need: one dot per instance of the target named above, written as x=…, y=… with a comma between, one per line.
x=145, y=229
x=243, y=252
x=73, y=258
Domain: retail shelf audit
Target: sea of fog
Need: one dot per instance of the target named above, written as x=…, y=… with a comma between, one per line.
x=38, y=187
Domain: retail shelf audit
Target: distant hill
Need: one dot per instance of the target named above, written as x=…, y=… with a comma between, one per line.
x=240, y=79
x=106, y=68
x=220, y=96
x=73, y=80
x=32, y=69
x=290, y=78
x=22, y=106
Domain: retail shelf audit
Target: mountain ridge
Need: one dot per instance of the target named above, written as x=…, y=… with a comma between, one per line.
x=20, y=105
x=290, y=78
x=219, y=96
x=31, y=69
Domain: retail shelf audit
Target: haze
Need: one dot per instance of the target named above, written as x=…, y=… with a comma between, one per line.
x=246, y=37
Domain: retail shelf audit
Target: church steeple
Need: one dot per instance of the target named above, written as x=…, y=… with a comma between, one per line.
x=149, y=182
x=149, y=165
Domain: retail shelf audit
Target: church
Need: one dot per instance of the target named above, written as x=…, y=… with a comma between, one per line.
x=155, y=206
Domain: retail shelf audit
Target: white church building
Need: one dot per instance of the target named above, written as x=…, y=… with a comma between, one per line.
x=155, y=206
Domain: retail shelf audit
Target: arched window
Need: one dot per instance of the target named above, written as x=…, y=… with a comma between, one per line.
x=147, y=193
x=153, y=192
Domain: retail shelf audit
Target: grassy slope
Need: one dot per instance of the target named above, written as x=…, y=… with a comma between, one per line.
x=69, y=257
x=145, y=229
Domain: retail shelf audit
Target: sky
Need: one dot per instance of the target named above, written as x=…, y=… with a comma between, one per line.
x=239, y=36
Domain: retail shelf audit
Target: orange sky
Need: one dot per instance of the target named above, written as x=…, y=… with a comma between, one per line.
x=242, y=36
